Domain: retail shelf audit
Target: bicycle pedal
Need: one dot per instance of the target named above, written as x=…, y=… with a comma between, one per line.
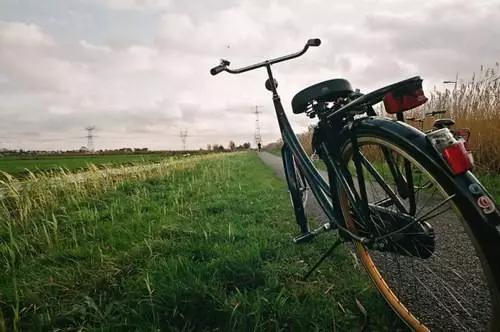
x=304, y=238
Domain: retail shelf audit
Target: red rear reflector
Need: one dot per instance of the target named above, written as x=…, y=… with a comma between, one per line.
x=465, y=134
x=457, y=158
x=403, y=98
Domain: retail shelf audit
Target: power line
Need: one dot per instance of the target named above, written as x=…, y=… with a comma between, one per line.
x=184, y=134
x=257, y=136
x=90, y=138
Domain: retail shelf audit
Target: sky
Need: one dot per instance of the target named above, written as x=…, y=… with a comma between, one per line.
x=138, y=70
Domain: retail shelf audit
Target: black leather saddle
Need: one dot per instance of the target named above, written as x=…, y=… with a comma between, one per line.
x=321, y=92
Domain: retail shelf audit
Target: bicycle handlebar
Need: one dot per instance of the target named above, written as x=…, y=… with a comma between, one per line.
x=224, y=63
x=432, y=113
x=216, y=70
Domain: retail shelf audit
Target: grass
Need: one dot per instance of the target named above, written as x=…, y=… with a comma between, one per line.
x=201, y=245
x=19, y=166
x=492, y=183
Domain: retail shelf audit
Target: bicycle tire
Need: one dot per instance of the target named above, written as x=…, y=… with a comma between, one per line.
x=301, y=183
x=416, y=150
x=297, y=188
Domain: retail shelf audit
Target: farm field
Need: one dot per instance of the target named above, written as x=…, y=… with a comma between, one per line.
x=197, y=244
x=17, y=166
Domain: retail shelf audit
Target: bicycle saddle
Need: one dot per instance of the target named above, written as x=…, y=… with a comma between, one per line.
x=321, y=92
x=442, y=123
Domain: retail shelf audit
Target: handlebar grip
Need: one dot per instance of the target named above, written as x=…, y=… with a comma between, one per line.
x=314, y=42
x=215, y=70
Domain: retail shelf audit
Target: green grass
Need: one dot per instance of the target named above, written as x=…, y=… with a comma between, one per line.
x=204, y=249
x=492, y=183
x=17, y=166
x=276, y=152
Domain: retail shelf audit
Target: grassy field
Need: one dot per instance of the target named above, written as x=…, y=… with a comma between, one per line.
x=17, y=166
x=198, y=245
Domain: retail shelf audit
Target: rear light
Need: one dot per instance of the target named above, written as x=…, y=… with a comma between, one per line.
x=463, y=134
x=403, y=98
x=457, y=158
x=452, y=151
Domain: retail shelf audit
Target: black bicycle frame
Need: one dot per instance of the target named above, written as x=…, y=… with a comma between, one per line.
x=319, y=187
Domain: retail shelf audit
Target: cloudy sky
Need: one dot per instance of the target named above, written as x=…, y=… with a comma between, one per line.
x=139, y=69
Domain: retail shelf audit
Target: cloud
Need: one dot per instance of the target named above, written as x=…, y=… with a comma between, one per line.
x=153, y=82
x=22, y=34
x=137, y=4
x=452, y=37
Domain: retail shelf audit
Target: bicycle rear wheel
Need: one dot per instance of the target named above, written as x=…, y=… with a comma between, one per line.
x=434, y=278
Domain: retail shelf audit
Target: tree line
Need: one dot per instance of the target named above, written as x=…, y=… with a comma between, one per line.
x=231, y=146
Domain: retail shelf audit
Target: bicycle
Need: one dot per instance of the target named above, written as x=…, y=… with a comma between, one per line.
x=410, y=250
x=437, y=124
x=462, y=134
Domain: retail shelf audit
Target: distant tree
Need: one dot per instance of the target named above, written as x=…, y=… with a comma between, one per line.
x=209, y=147
x=232, y=145
x=246, y=145
x=218, y=147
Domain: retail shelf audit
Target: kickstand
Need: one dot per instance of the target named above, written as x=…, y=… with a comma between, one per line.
x=326, y=254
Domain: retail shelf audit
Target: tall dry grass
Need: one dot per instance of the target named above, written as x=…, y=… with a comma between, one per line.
x=473, y=103
x=19, y=199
